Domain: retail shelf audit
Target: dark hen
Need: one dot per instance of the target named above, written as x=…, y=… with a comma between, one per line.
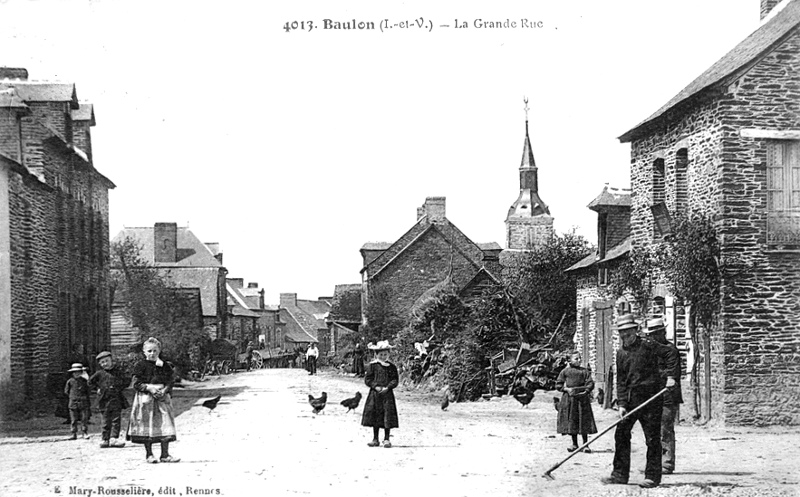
x=524, y=397
x=212, y=403
x=445, y=401
x=352, y=402
x=318, y=404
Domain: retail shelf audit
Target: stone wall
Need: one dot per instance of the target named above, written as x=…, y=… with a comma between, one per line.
x=755, y=356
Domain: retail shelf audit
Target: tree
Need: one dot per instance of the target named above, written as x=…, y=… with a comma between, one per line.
x=381, y=323
x=154, y=306
x=636, y=275
x=541, y=292
x=693, y=271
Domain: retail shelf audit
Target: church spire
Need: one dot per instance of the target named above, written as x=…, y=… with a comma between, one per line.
x=527, y=151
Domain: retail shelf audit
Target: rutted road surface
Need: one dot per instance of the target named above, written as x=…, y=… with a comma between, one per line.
x=262, y=439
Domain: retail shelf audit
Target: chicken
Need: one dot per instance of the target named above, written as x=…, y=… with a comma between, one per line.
x=524, y=397
x=445, y=401
x=556, y=401
x=318, y=404
x=211, y=404
x=352, y=402
x=601, y=396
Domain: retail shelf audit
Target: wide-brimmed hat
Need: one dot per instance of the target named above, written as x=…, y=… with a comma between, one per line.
x=103, y=354
x=626, y=322
x=76, y=366
x=655, y=326
x=382, y=345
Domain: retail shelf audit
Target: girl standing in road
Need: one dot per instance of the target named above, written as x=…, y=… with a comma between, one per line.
x=380, y=409
x=575, y=409
x=152, y=420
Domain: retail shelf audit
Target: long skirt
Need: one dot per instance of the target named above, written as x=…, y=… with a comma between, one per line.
x=575, y=415
x=380, y=410
x=151, y=419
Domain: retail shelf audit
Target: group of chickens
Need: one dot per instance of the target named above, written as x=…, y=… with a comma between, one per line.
x=319, y=403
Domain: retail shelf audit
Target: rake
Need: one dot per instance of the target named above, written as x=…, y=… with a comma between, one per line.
x=547, y=474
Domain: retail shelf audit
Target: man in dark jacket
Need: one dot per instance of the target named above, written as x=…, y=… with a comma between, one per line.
x=672, y=400
x=638, y=380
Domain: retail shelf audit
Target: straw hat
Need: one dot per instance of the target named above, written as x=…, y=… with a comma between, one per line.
x=103, y=354
x=655, y=326
x=382, y=345
x=626, y=322
x=76, y=366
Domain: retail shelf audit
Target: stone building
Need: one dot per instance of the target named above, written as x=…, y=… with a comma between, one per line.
x=596, y=307
x=244, y=314
x=54, y=273
x=304, y=321
x=729, y=145
x=433, y=252
x=345, y=316
x=186, y=262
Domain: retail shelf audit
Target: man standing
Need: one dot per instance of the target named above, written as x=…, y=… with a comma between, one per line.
x=638, y=380
x=311, y=358
x=658, y=332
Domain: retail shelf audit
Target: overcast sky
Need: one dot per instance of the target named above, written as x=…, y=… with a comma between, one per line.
x=294, y=149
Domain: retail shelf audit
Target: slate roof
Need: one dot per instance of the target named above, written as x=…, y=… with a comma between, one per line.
x=191, y=251
x=204, y=278
x=346, y=305
x=750, y=50
x=614, y=252
x=84, y=112
x=33, y=91
x=611, y=197
x=294, y=331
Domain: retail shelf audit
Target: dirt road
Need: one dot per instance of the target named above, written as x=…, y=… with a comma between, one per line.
x=262, y=439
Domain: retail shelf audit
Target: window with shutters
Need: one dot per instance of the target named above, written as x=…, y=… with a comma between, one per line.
x=681, y=181
x=783, y=194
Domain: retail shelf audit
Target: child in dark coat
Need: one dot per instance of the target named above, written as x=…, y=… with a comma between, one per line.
x=380, y=409
x=110, y=383
x=77, y=389
x=575, y=408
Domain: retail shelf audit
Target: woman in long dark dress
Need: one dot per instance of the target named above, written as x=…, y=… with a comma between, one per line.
x=152, y=420
x=575, y=409
x=380, y=409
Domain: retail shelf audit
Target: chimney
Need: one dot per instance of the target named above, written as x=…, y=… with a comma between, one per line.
x=14, y=73
x=165, y=242
x=434, y=208
x=420, y=212
x=767, y=6
x=236, y=282
x=288, y=300
x=252, y=284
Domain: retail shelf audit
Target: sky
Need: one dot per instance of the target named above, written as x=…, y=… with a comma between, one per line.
x=292, y=149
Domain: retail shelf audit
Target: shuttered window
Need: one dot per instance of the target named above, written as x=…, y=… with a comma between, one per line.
x=783, y=194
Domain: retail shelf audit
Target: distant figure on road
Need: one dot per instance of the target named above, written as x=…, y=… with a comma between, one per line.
x=358, y=361
x=152, y=420
x=575, y=408
x=380, y=409
x=248, y=353
x=311, y=358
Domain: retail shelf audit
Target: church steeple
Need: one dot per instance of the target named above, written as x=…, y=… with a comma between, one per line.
x=528, y=222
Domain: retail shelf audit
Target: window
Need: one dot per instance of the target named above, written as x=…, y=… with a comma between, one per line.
x=783, y=194
x=681, y=181
x=659, y=190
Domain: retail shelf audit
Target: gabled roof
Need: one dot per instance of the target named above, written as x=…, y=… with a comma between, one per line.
x=33, y=91
x=346, y=305
x=294, y=329
x=84, y=112
x=750, y=50
x=204, y=278
x=611, y=197
x=191, y=251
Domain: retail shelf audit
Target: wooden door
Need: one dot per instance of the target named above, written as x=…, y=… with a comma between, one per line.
x=604, y=345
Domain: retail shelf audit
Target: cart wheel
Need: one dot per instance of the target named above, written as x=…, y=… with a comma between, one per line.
x=256, y=361
x=226, y=367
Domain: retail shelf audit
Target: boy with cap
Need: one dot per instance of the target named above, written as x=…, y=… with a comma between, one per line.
x=110, y=383
x=638, y=381
x=77, y=390
x=657, y=331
